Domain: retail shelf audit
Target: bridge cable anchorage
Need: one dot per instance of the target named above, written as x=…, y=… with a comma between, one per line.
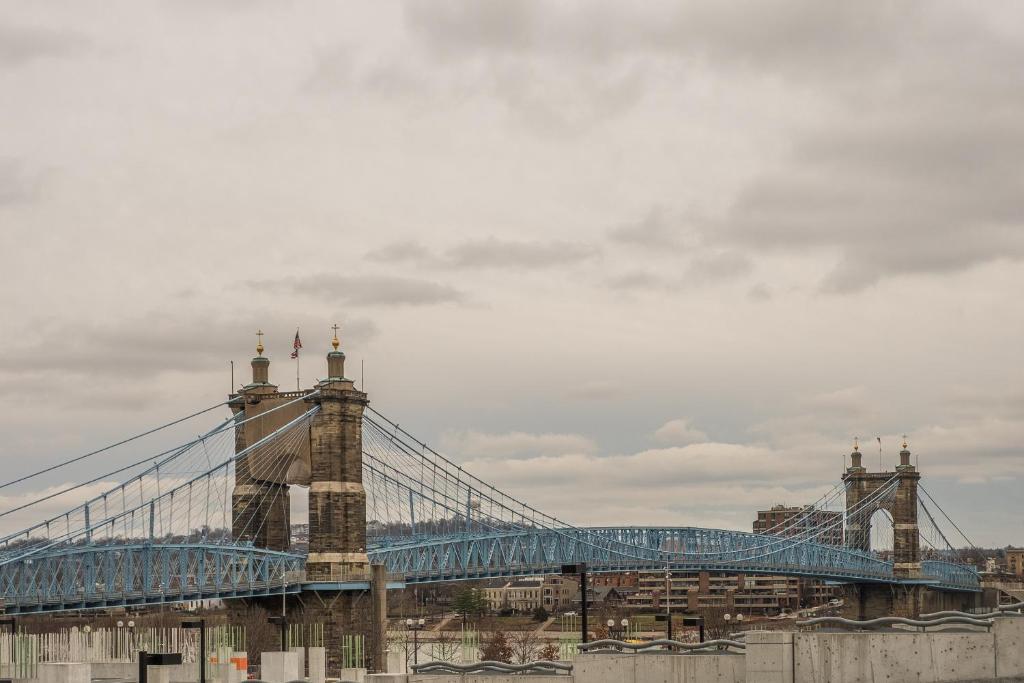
x=107, y=448
x=167, y=455
x=145, y=503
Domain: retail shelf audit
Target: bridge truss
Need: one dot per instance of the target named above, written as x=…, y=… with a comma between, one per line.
x=165, y=533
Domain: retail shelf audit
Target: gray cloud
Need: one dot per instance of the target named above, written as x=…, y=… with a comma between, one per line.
x=654, y=231
x=717, y=267
x=491, y=252
x=22, y=44
x=790, y=34
x=919, y=178
x=146, y=346
x=498, y=253
x=638, y=280
x=17, y=183
x=365, y=290
x=399, y=252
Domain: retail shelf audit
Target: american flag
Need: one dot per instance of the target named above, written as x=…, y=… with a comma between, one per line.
x=296, y=345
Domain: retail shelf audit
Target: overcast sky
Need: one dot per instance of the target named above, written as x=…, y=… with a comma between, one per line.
x=635, y=263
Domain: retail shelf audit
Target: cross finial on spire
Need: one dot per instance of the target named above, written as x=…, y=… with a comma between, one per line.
x=904, y=441
x=334, y=342
x=259, y=342
x=856, y=443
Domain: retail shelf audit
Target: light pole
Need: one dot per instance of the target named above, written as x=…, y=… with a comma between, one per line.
x=668, y=602
x=414, y=626
x=581, y=571
x=201, y=625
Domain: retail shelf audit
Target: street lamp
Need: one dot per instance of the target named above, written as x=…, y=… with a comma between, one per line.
x=580, y=570
x=618, y=630
x=414, y=626
x=201, y=625
x=668, y=602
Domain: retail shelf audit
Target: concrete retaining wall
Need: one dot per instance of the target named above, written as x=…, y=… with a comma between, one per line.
x=659, y=668
x=869, y=657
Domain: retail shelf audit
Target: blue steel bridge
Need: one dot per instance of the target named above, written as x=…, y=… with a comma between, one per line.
x=166, y=528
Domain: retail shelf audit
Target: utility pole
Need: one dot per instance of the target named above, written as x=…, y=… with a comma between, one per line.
x=668, y=602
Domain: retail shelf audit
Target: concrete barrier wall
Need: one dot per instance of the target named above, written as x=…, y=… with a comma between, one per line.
x=868, y=657
x=659, y=668
x=1008, y=637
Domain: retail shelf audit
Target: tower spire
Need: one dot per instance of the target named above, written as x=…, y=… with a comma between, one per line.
x=855, y=457
x=335, y=359
x=259, y=342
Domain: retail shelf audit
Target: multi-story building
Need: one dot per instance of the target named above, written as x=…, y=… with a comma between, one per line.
x=553, y=593
x=820, y=526
x=1015, y=561
x=616, y=580
x=747, y=593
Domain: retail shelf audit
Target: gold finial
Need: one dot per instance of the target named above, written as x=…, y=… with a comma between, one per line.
x=259, y=342
x=904, y=442
x=334, y=342
x=856, y=444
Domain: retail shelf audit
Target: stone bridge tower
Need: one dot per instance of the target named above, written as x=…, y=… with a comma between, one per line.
x=881, y=599
x=339, y=590
x=337, y=501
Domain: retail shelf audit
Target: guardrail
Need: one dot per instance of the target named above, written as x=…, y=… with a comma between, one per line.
x=870, y=624
x=543, y=667
x=595, y=646
x=999, y=611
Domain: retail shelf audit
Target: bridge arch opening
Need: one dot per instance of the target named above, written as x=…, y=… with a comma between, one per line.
x=881, y=532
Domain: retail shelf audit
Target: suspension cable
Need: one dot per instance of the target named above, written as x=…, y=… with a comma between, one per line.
x=107, y=448
x=969, y=542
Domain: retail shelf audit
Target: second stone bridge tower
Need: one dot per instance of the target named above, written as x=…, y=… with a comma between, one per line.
x=870, y=600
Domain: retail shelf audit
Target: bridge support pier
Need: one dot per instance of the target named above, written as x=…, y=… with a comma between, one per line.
x=873, y=600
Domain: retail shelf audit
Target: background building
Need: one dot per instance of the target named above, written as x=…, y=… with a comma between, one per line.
x=553, y=593
x=747, y=593
x=824, y=526
x=1015, y=561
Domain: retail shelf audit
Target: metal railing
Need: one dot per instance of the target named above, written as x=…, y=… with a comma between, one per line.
x=542, y=667
x=609, y=645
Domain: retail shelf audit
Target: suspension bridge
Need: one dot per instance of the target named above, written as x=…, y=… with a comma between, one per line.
x=209, y=518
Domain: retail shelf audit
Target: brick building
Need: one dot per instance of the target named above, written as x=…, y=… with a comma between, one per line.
x=553, y=593
x=1015, y=561
x=821, y=526
x=746, y=593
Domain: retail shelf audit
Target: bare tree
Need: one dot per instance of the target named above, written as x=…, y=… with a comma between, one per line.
x=715, y=625
x=524, y=645
x=446, y=646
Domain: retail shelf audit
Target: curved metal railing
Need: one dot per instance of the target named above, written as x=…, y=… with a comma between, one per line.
x=542, y=667
x=719, y=644
x=890, y=621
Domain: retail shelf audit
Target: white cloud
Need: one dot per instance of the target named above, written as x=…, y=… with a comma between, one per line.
x=679, y=432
